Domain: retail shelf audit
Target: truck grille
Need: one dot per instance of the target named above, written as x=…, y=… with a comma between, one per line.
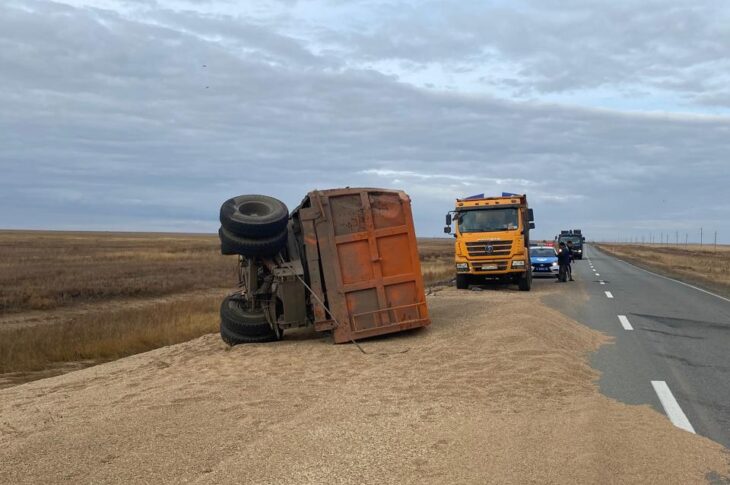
x=489, y=248
x=490, y=266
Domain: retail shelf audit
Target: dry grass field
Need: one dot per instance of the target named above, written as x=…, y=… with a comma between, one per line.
x=85, y=298
x=48, y=270
x=437, y=259
x=704, y=266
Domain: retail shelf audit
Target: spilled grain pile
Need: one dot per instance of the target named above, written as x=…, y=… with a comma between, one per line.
x=497, y=390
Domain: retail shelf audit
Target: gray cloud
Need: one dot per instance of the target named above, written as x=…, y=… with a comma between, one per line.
x=111, y=121
x=681, y=46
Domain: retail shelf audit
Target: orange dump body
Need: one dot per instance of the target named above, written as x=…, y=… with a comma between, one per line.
x=362, y=261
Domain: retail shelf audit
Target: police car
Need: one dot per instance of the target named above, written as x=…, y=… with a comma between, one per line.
x=544, y=261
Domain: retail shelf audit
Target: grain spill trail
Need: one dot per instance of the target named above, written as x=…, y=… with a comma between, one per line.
x=497, y=390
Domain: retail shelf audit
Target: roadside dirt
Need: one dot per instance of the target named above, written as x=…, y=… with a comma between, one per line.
x=497, y=390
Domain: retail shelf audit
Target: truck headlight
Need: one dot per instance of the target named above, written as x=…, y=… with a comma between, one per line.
x=518, y=264
x=462, y=266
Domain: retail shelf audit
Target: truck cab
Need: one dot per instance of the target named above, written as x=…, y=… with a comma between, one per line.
x=492, y=239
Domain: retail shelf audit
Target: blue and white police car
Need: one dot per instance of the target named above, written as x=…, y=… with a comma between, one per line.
x=544, y=261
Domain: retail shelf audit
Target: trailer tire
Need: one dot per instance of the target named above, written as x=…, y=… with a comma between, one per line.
x=524, y=281
x=241, y=325
x=232, y=338
x=232, y=244
x=254, y=216
x=462, y=281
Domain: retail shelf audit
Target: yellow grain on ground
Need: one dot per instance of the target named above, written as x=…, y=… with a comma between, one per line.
x=497, y=390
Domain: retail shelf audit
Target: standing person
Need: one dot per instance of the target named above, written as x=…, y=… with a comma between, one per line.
x=570, y=265
x=563, y=262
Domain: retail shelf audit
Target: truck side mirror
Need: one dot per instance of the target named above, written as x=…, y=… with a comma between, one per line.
x=448, y=219
x=532, y=225
x=447, y=230
x=530, y=215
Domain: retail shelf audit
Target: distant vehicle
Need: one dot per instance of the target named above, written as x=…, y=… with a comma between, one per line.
x=576, y=237
x=544, y=261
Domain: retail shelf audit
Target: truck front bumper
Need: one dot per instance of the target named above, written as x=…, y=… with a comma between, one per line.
x=491, y=267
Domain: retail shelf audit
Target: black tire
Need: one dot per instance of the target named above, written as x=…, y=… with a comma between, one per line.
x=524, y=281
x=240, y=325
x=254, y=216
x=462, y=281
x=232, y=244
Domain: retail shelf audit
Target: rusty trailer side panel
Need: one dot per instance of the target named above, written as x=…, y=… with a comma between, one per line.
x=362, y=257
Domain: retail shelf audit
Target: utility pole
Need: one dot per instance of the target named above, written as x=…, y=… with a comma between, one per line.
x=715, y=240
x=686, y=239
x=701, y=236
x=676, y=238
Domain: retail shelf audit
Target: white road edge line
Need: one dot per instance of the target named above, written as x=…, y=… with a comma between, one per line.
x=676, y=281
x=609, y=294
x=625, y=322
x=671, y=406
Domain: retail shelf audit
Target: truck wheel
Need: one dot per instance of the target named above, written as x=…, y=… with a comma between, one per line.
x=462, y=281
x=524, y=281
x=232, y=244
x=254, y=216
x=240, y=325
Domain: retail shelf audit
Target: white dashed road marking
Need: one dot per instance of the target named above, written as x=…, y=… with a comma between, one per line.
x=671, y=406
x=609, y=294
x=602, y=282
x=625, y=322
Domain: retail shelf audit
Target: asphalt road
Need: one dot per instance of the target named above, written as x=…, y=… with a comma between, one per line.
x=671, y=334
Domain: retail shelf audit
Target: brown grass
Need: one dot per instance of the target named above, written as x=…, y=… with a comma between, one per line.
x=102, y=337
x=111, y=286
x=703, y=266
x=437, y=260
x=47, y=270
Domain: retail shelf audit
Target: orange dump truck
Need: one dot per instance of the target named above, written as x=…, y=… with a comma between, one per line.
x=492, y=239
x=345, y=261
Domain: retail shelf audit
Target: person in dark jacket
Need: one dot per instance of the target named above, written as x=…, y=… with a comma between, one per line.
x=570, y=265
x=564, y=258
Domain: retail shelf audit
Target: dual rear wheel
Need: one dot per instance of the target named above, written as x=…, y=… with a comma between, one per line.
x=253, y=226
x=240, y=324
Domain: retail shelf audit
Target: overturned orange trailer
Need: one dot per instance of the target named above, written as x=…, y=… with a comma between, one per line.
x=348, y=263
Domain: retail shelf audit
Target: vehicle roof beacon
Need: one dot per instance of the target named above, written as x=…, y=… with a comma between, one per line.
x=349, y=265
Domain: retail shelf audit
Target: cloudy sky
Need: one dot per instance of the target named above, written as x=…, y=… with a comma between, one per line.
x=147, y=114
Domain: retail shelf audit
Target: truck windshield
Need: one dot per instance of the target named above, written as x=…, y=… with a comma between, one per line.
x=488, y=220
x=573, y=239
